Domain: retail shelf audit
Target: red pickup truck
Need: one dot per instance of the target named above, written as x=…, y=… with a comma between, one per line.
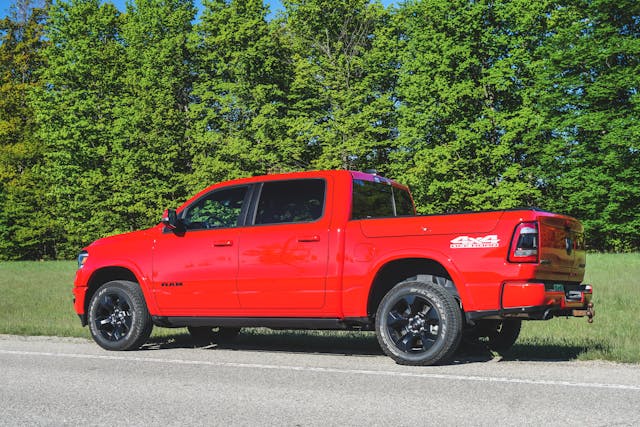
x=333, y=250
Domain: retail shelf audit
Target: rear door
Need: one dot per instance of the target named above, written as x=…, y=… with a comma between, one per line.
x=283, y=257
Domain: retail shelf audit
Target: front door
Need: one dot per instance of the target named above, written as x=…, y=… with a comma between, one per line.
x=195, y=266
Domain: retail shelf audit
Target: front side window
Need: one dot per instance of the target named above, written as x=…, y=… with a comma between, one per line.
x=291, y=201
x=218, y=209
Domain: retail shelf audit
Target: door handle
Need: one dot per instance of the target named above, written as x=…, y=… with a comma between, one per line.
x=221, y=243
x=314, y=238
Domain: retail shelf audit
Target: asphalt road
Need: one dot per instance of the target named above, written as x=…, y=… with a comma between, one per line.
x=56, y=382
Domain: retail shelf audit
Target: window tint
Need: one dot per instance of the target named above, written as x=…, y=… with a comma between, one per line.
x=291, y=201
x=379, y=200
x=219, y=209
x=404, y=204
x=371, y=200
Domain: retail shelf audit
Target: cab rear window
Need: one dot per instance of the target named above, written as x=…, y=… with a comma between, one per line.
x=379, y=200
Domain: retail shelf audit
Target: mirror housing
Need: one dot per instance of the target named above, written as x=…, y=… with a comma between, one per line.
x=170, y=219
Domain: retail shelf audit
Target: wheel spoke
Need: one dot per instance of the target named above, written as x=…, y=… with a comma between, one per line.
x=122, y=329
x=405, y=343
x=407, y=302
x=432, y=316
x=396, y=320
x=122, y=304
x=428, y=340
x=106, y=304
x=418, y=305
x=127, y=323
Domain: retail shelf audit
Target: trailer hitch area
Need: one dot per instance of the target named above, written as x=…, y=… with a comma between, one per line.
x=590, y=312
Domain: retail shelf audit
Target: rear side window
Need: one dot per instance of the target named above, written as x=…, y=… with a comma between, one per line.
x=291, y=201
x=379, y=200
x=404, y=204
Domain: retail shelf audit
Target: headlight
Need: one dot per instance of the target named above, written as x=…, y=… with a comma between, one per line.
x=82, y=258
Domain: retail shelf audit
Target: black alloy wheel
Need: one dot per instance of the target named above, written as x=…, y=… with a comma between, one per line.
x=118, y=316
x=419, y=322
x=413, y=324
x=113, y=317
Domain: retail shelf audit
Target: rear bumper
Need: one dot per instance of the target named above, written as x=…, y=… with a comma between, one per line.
x=537, y=301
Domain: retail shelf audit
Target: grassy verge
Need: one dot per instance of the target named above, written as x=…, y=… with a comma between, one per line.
x=35, y=299
x=615, y=333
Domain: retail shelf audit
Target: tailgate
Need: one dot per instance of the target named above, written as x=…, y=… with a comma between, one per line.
x=562, y=250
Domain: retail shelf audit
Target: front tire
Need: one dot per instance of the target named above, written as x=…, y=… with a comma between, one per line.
x=118, y=316
x=419, y=322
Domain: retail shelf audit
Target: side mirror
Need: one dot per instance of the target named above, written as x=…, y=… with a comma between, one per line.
x=170, y=219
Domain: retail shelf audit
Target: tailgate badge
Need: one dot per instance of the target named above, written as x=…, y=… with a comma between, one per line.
x=568, y=244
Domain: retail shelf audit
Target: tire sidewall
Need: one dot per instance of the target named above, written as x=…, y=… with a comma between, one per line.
x=140, y=319
x=449, y=330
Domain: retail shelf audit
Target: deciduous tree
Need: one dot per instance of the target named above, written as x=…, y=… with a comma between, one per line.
x=25, y=230
x=242, y=77
x=75, y=116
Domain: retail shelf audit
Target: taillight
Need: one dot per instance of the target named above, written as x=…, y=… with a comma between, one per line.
x=524, y=244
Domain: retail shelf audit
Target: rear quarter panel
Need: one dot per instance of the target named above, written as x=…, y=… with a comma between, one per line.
x=473, y=248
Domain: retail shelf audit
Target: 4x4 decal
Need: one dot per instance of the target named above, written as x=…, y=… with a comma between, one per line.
x=464, y=242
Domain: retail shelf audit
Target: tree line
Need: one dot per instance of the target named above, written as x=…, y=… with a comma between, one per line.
x=108, y=117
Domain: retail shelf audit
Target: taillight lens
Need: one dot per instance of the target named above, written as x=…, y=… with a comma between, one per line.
x=524, y=245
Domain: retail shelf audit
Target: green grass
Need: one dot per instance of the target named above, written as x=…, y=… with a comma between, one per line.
x=615, y=332
x=35, y=299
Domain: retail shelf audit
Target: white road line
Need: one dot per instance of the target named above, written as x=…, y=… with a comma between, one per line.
x=328, y=370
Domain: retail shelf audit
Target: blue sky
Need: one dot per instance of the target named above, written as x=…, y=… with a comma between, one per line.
x=275, y=5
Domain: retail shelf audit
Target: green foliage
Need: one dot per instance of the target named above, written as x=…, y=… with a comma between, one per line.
x=589, y=86
x=341, y=109
x=25, y=231
x=238, y=95
x=466, y=123
x=106, y=117
x=112, y=116
x=74, y=111
x=148, y=164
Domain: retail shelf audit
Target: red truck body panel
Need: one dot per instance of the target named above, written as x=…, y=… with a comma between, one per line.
x=327, y=267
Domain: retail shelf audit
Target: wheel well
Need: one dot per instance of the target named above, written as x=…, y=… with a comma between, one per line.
x=104, y=275
x=397, y=271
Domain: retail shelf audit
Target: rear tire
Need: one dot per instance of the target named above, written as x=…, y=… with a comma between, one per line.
x=118, y=316
x=419, y=322
x=503, y=334
x=496, y=335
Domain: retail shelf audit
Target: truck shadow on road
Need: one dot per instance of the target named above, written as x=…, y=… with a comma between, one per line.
x=360, y=344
